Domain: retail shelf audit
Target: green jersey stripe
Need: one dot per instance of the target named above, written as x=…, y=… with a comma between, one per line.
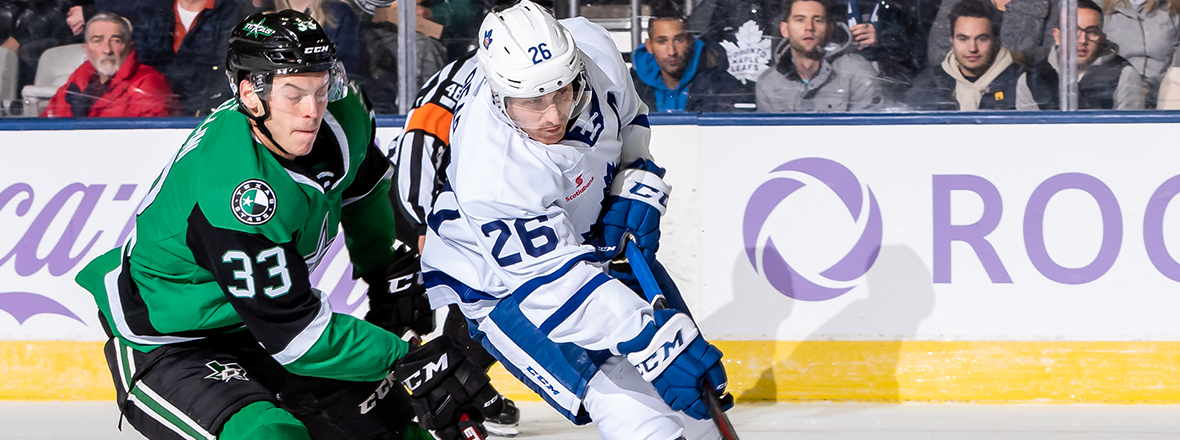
x=158, y=408
x=123, y=362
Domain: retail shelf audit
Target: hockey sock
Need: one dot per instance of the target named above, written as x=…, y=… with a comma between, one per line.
x=262, y=420
x=415, y=432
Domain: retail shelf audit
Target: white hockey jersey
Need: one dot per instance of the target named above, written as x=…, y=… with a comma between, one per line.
x=515, y=213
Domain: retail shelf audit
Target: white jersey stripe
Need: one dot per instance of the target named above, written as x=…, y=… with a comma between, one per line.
x=150, y=395
x=310, y=334
x=111, y=282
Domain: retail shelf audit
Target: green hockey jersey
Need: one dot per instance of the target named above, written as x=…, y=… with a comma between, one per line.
x=227, y=236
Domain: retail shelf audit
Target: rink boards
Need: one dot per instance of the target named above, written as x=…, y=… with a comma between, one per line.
x=965, y=258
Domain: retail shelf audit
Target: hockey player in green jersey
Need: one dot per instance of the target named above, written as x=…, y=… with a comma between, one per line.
x=215, y=329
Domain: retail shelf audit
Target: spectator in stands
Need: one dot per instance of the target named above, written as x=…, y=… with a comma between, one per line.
x=38, y=26
x=341, y=25
x=885, y=32
x=809, y=79
x=461, y=20
x=1147, y=33
x=977, y=73
x=719, y=20
x=745, y=31
x=112, y=83
x=1169, y=90
x=187, y=41
x=379, y=58
x=673, y=71
x=1024, y=26
x=1169, y=96
x=1105, y=79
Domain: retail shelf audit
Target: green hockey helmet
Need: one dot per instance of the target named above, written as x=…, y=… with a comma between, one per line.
x=266, y=44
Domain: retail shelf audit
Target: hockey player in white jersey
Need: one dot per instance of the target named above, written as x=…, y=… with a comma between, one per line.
x=549, y=170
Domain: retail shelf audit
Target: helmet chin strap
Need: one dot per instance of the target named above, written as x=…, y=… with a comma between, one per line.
x=260, y=123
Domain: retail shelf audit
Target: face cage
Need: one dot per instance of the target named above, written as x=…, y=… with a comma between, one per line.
x=262, y=82
x=581, y=91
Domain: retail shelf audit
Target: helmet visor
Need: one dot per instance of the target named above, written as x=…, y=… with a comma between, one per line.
x=546, y=111
x=333, y=87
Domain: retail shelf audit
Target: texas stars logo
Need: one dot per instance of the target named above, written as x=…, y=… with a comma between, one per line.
x=255, y=29
x=225, y=372
x=487, y=39
x=253, y=202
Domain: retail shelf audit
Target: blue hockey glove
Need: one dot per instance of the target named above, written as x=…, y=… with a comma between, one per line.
x=671, y=354
x=638, y=197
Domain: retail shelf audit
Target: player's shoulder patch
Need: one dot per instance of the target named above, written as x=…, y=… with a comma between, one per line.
x=253, y=202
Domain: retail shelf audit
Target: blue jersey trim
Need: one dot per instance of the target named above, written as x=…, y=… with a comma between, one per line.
x=571, y=365
x=572, y=304
x=436, y=278
x=532, y=285
x=641, y=121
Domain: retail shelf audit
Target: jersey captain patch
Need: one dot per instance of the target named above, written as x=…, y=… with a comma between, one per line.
x=253, y=202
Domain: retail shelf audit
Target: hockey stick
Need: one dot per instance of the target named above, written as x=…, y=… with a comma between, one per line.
x=651, y=291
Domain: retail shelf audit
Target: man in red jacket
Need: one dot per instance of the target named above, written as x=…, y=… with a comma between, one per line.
x=112, y=83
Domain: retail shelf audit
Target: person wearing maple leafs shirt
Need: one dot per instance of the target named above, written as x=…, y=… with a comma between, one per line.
x=810, y=78
x=673, y=71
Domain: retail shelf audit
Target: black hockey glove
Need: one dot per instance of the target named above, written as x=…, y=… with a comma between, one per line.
x=444, y=386
x=397, y=297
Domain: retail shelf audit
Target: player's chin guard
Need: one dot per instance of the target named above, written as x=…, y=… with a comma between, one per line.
x=287, y=42
x=525, y=53
x=397, y=297
x=450, y=395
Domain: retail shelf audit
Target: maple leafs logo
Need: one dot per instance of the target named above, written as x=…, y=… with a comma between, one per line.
x=751, y=55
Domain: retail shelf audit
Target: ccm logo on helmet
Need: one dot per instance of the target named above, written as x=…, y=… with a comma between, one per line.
x=316, y=49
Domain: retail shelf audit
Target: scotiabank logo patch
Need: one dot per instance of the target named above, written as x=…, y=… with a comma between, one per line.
x=758, y=234
x=582, y=185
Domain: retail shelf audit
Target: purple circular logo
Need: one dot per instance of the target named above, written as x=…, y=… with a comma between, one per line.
x=774, y=267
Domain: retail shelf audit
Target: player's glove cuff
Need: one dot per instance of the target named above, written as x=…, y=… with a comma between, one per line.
x=444, y=386
x=643, y=181
x=397, y=297
x=670, y=353
x=637, y=200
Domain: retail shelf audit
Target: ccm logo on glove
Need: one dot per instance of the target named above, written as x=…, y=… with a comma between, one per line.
x=644, y=186
x=668, y=342
x=382, y=390
x=416, y=380
x=402, y=283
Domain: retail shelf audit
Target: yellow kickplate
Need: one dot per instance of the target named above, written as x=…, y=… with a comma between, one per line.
x=971, y=371
x=883, y=371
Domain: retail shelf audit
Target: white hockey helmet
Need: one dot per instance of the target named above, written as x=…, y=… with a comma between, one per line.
x=524, y=52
